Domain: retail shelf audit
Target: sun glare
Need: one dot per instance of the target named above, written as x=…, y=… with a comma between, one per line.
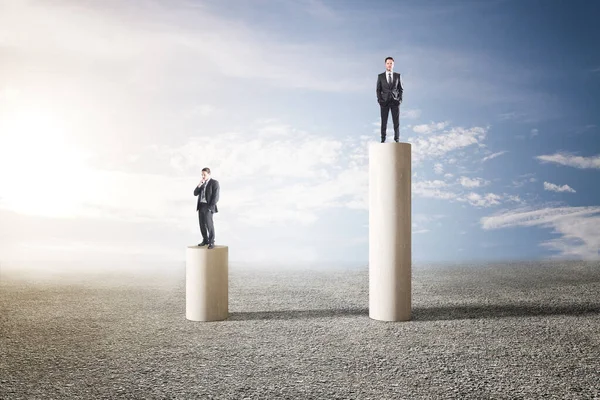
x=40, y=172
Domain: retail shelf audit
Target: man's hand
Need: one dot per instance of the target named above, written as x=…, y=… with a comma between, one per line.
x=201, y=182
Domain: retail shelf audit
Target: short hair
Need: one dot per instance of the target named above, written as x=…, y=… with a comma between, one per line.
x=389, y=58
x=206, y=169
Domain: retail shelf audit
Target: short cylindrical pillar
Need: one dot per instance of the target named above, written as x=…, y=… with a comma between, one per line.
x=207, y=283
x=390, y=231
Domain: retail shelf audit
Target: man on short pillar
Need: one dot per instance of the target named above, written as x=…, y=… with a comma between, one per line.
x=389, y=96
x=208, y=196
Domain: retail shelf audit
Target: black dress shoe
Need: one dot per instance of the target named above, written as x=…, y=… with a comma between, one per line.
x=396, y=140
x=202, y=244
x=211, y=246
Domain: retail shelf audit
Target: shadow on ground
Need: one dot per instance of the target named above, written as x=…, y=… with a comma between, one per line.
x=454, y=312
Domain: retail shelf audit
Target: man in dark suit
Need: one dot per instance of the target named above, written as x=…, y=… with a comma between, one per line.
x=389, y=96
x=208, y=196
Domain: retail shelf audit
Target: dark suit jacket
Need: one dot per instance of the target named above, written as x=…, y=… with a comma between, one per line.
x=387, y=94
x=212, y=195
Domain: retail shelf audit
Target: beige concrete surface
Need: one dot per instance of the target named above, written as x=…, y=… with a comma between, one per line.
x=207, y=283
x=390, y=231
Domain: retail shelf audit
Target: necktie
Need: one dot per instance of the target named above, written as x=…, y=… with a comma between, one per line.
x=390, y=79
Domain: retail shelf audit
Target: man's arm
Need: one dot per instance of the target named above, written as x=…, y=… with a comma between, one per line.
x=378, y=90
x=400, y=87
x=215, y=196
x=197, y=190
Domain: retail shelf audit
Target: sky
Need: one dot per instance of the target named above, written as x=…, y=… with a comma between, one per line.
x=109, y=110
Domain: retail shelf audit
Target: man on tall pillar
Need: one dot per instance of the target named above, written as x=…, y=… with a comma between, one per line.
x=389, y=96
x=208, y=196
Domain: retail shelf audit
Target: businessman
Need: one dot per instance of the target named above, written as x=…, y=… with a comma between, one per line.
x=208, y=196
x=389, y=96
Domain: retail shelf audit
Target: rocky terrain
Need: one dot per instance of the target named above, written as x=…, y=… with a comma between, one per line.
x=494, y=331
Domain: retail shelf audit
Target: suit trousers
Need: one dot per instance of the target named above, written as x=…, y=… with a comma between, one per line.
x=207, y=228
x=385, y=112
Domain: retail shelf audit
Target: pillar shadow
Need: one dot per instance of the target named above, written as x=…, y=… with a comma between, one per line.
x=493, y=311
x=297, y=314
x=424, y=313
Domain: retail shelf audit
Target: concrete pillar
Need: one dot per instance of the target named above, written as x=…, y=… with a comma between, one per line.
x=390, y=231
x=207, y=283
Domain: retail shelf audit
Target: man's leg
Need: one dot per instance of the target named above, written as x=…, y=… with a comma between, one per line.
x=210, y=227
x=202, y=219
x=396, y=121
x=385, y=111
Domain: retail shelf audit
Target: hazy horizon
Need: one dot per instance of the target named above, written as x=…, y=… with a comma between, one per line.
x=109, y=110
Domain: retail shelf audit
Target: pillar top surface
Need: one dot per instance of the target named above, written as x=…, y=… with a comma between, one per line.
x=205, y=248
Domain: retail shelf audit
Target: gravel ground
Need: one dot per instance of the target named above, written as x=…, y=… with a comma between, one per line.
x=503, y=331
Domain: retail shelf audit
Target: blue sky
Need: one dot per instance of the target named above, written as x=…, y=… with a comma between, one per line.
x=109, y=110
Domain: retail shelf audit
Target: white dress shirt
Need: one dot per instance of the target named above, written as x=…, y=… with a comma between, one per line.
x=203, y=193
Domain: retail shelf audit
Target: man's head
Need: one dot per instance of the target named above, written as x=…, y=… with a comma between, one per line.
x=205, y=173
x=389, y=63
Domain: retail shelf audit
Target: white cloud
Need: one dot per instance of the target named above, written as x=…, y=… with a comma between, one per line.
x=147, y=43
x=438, y=168
x=432, y=189
x=534, y=132
x=431, y=127
x=419, y=220
x=532, y=217
x=410, y=113
x=514, y=199
x=477, y=200
x=469, y=182
x=430, y=184
x=203, y=110
x=494, y=155
x=424, y=218
x=438, y=189
x=279, y=176
x=273, y=150
x=523, y=179
x=579, y=227
x=273, y=175
x=555, y=188
x=273, y=178
x=436, y=146
x=571, y=160
x=510, y=115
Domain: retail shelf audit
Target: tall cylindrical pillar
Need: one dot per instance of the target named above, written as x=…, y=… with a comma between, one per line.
x=390, y=231
x=207, y=283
